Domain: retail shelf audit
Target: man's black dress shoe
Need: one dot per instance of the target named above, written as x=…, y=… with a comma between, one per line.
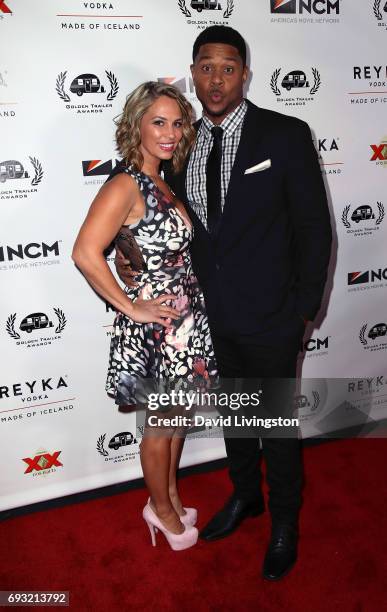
x=230, y=517
x=281, y=554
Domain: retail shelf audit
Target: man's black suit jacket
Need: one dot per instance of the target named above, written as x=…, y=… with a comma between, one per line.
x=267, y=266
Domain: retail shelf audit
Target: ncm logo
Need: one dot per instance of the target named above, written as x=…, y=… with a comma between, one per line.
x=320, y=7
x=33, y=250
x=314, y=344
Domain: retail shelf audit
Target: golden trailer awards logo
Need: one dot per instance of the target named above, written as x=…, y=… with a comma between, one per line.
x=15, y=175
x=295, y=82
x=373, y=339
x=367, y=219
x=39, y=325
x=211, y=12
x=118, y=442
x=380, y=12
x=90, y=86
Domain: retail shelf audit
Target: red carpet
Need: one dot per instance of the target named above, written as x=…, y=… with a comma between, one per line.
x=100, y=550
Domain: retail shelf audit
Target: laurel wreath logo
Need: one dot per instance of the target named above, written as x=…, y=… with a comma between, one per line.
x=183, y=8
x=60, y=86
x=273, y=82
x=316, y=401
x=381, y=213
x=230, y=7
x=100, y=448
x=62, y=320
x=38, y=171
x=10, y=327
x=377, y=11
x=362, y=334
x=113, y=85
x=344, y=216
x=317, y=81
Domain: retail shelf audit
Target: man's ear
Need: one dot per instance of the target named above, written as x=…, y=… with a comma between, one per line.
x=245, y=74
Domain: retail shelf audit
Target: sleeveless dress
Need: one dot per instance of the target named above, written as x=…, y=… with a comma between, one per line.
x=147, y=356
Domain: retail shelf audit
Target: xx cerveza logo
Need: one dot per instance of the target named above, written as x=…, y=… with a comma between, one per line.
x=379, y=152
x=118, y=441
x=206, y=5
x=320, y=7
x=36, y=322
x=88, y=86
x=4, y=8
x=42, y=462
x=373, y=335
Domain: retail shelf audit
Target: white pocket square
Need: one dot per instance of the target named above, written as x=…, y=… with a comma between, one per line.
x=259, y=167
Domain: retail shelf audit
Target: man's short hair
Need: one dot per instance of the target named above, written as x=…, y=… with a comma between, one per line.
x=220, y=34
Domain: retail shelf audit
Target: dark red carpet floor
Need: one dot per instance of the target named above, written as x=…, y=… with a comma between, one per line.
x=100, y=550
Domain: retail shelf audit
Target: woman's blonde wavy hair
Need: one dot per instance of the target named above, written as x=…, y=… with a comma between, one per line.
x=128, y=136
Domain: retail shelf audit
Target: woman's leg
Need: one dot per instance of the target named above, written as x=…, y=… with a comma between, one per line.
x=177, y=443
x=155, y=454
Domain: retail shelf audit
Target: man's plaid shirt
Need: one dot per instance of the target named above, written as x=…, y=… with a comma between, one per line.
x=196, y=171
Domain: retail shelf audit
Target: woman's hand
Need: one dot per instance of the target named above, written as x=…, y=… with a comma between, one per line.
x=154, y=310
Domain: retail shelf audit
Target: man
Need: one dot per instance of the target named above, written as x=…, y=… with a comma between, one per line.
x=260, y=250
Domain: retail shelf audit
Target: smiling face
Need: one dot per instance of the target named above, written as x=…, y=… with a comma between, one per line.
x=219, y=75
x=161, y=130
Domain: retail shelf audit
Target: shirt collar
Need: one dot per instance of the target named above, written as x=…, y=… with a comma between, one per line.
x=229, y=123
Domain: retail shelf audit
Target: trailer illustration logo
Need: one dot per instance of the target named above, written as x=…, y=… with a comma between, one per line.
x=295, y=79
x=35, y=321
x=85, y=84
x=362, y=213
x=206, y=5
x=124, y=438
x=377, y=331
x=12, y=169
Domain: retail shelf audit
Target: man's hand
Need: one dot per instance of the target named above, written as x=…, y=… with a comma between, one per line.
x=124, y=270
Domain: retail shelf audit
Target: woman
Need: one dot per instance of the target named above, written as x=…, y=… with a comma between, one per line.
x=161, y=328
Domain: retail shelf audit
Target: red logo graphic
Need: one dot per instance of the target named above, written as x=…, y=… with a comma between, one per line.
x=380, y=152
x=4, y=8
x=42, y=462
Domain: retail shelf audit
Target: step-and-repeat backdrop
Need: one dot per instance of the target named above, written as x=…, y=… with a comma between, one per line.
x=66, y=67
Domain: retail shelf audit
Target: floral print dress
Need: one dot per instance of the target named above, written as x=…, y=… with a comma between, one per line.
x=148, y=356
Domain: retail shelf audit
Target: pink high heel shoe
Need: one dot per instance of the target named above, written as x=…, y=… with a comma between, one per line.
x=190, y=517
x=177, y=541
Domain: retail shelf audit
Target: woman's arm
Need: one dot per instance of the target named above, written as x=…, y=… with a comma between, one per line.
x=107, y=213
